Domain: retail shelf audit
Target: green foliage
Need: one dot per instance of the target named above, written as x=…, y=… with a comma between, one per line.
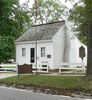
x=44, y=11
x=88, y=17
x=7, y=48
x=77, y=17
x=88, y=10
x=13, y=21
x=81, y=16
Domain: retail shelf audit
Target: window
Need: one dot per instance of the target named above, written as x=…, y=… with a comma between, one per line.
x=42, y=51
x=49, y=56
x=23, y=52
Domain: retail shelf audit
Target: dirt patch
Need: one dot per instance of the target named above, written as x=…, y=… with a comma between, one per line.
x=45, y=89
x=76, y=93
x=51, y=90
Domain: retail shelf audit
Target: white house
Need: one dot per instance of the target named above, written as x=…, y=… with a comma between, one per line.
x=53, y=43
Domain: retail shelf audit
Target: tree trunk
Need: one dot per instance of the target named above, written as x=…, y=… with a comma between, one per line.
x=89, y=52
x=0, y=64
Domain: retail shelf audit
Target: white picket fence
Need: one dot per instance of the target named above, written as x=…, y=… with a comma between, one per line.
x=72, y=68
x=41, y=68
x=8, y=67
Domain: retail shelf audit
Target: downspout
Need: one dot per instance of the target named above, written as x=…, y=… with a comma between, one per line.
x=36, y=4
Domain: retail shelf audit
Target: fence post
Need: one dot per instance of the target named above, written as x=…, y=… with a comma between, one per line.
x=17, y=70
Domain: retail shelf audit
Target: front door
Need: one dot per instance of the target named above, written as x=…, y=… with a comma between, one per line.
x=32, y=55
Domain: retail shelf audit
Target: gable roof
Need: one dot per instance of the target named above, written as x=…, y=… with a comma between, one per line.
x=41, y=32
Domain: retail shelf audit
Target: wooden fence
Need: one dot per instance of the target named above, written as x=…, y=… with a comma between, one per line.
x=72, y=68
x=24, y=69
x=8, y=67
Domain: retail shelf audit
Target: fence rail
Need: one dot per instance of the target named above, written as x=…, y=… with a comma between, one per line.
x=8, y=67
x=40, y=68
x=71, y=66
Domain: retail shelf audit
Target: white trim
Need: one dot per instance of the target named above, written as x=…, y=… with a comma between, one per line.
x=33, y=42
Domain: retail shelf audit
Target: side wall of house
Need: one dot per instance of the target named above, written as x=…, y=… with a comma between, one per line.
x=48, y=51
x=58, y=47
x=74, y=51
x=75, y=44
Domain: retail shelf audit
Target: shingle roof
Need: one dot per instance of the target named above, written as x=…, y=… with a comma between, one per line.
x=41, y=32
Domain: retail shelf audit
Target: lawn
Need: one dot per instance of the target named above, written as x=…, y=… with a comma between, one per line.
x=61, y=82
x=8, y=66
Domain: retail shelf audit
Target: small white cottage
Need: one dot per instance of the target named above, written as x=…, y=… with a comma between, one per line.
x=53, y=43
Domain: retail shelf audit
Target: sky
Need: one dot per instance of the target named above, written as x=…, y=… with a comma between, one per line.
x=68, y=4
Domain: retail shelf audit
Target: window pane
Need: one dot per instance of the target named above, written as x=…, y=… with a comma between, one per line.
x=23, y=52
x=42, y=51
x=48, y=56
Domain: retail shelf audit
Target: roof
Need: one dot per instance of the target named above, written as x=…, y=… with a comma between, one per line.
x=41, y=32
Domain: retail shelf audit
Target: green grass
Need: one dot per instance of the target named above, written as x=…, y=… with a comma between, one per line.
x=63, y=82
x=8, y=66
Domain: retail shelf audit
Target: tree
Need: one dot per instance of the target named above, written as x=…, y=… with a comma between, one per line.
x=46, y=11
x=88, y=17
x=82, y=18
x=77, y=17
x=7, y=48
x=13, y=21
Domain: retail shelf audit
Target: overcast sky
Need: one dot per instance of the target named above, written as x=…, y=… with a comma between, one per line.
x=67, y=4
